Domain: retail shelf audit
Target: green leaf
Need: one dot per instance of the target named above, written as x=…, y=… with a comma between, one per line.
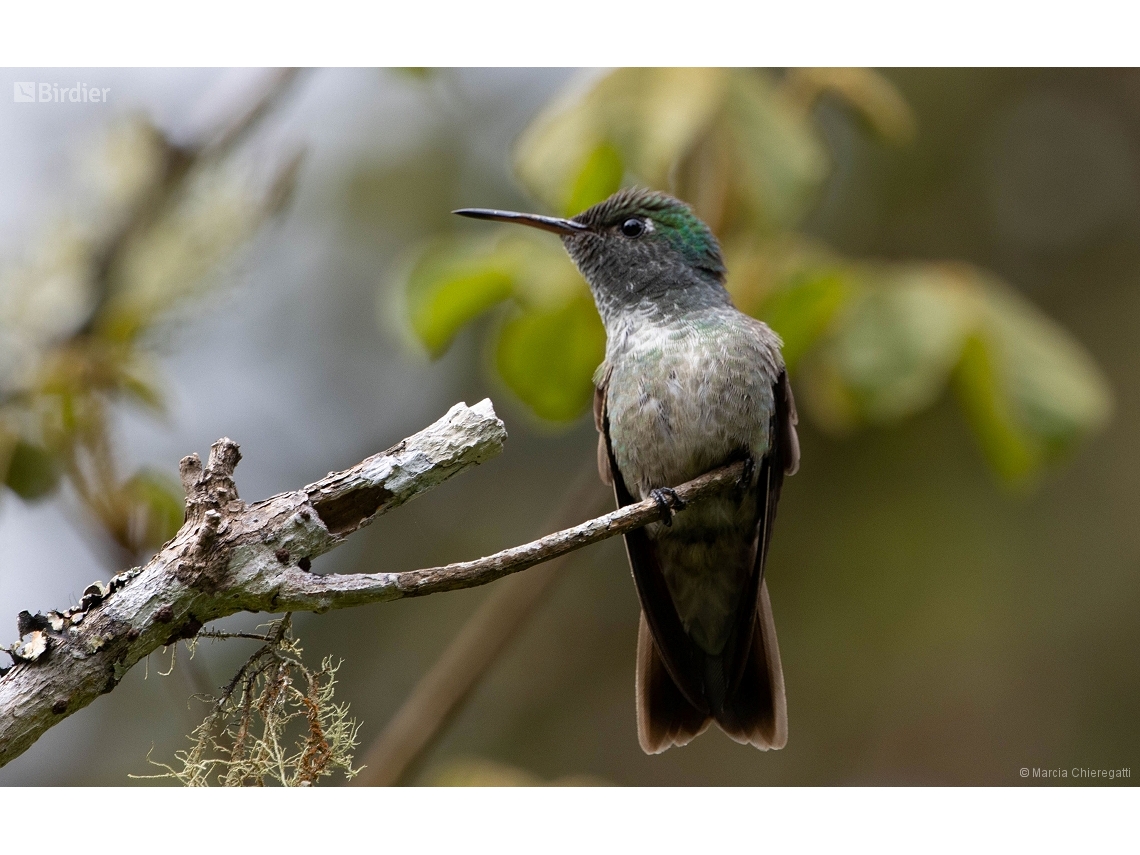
x=879, y=344
x=599, y=178
x=899, y=341
x=1058, y=391
x=32, y=471
x=984, y=400
x=451, y=285
x=546, y=277
x=802, y=312
x=1027, y=387
x=781, y=160
x=548, y=358
x=651, y=116
x=159, y=499
x=548, y=350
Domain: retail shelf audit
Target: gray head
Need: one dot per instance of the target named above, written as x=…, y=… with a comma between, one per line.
x=638, y=248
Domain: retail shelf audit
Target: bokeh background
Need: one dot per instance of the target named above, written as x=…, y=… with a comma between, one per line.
x=954, y=571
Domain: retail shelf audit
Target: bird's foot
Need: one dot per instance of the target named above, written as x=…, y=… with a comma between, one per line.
x=667, y=502
x=747, y=474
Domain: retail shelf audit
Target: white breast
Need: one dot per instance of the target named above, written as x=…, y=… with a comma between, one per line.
x=685, y=398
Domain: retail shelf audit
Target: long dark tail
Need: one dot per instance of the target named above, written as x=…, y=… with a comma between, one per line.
x=664, y=717
x=755, y=713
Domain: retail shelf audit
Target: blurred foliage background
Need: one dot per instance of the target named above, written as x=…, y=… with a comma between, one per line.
x=950, y=256
x=79, y=313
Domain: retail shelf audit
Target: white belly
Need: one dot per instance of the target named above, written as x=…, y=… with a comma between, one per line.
x=680, y=405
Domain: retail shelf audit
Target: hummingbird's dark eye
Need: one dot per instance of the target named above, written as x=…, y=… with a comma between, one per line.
x=632, y=228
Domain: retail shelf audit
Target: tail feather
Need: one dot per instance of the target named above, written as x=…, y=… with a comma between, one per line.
x=757, y=712
x=664, y=717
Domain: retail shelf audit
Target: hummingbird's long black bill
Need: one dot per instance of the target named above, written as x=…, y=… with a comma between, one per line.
x=550, y=224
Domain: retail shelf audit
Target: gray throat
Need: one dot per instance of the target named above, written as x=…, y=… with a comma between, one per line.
x=646, y=289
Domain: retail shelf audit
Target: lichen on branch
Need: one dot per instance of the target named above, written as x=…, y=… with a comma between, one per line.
x=275, y=722
x=227, y=557
x=230, y=557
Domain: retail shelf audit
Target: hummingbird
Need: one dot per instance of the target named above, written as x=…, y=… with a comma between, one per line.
x=689, y=383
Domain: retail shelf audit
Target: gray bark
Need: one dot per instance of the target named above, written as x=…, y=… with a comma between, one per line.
x=227, y=557
x=230, y=557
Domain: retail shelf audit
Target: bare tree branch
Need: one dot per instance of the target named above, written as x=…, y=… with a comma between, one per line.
x=227, y=557
x=231, y=557
x=298, y=591
x=440, y=694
